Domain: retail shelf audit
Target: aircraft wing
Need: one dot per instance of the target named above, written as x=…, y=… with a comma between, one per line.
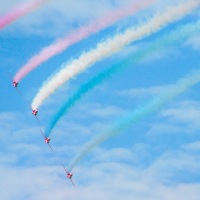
x=65, y=169
x=50, y=147
x=72, y=182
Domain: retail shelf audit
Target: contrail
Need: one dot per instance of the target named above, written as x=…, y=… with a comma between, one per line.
x=174, y=38
x=109, y=47
x=19, y=11
x=137, y=115
x=61, y=44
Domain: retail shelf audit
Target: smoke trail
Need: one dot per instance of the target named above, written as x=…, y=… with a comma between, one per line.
x=109, y=47
x=19, y=12
x=132, y=118
x=174, y=38
x=61, y=44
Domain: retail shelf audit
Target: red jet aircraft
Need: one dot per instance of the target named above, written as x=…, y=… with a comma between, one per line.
x=15, y=84
x=69, y=175
x=47, y=140
x=35, y=112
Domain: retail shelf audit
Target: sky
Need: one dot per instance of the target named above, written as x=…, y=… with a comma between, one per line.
x=152, y=157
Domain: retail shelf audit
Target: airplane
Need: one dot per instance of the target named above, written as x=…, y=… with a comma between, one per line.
x=34, y=112
x=69, y=175
x=15, y=84
x=47, y=140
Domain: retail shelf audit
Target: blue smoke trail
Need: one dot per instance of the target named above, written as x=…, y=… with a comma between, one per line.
x=174, y=38
x=137, y=115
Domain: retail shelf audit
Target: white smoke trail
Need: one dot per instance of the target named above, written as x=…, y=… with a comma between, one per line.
x=75, y=36
x=139, y=114
x=174, y=37
x=109, y=47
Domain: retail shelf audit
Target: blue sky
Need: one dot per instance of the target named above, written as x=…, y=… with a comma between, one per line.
x=157, y=158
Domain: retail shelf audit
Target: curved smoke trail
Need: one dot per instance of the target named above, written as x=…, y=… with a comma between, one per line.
x=174, y=38
x=109, y=47
x=20, y=11
x=61, y=44
x=137, y=115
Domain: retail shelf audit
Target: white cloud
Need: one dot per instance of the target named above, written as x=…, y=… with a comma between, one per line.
x=7, y=159
x=165, y=128
x=142, y=92
x=135, y=156
x=107, y=174
x=103, y=111
x=58, y=17
x=180, y=118
x=186, y=112
x=104, y=180
x=194, y=42
x=194, y=146
x=175, y=167
x=6, y=6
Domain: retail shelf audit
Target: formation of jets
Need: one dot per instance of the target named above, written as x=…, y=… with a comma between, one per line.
x=46, y=139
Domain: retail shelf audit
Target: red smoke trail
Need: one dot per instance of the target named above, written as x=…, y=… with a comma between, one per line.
x=19, y=11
